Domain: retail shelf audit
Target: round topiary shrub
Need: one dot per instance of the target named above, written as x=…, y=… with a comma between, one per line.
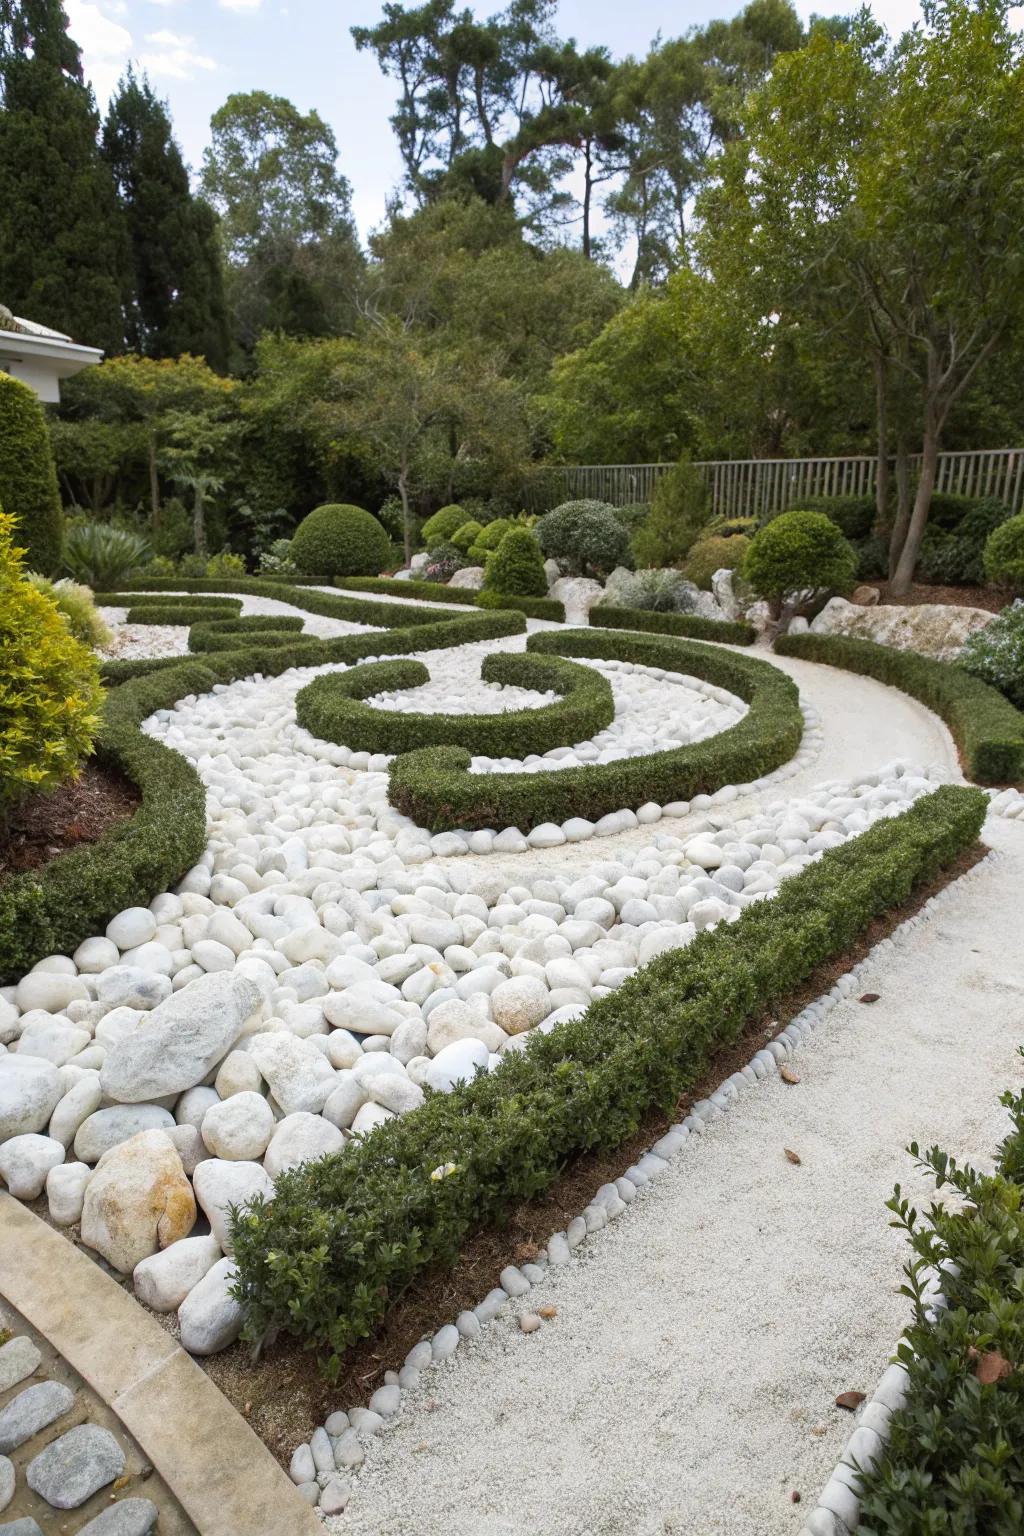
x=587, y=535
x=1004, y=554
x=488, y=539
x=28, y=479
x=517, y=566
x=340, y=540
x=467, y=535
x=799, y=552
x=445, y=522
x=715, y=554
x=49, y=685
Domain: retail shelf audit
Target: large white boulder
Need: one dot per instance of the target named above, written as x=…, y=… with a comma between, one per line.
x=210, y=1318
x=137, y=1201
x=300, y=1076
x=577, y=594
x=937, y=630
x=221, y=1185
x=164, y=1279
x=29, y=1093
x=470, y=578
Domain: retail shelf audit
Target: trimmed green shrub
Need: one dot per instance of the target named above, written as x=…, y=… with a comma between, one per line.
x=345, y=1236
x=225, y=634
x=444, y=523
x=100, y=555
x=996, y=654
x=488, y=540
x=225, y=564
x=77, y=605
x=679, y=517
x=333, y=707
x=333, y=605
x=585, y=535
x=956, y=556
x=434, y=787
x=339, y=540
x=534, y=607
x=690, y=625
x=49, y=685
x=854, y=516
x=797, y=552
x=426, y=591
x=517, y=566
x=987, y=729
x=1004, y=554
x=468, y=534
x=710, y=555
x=954, y=1456
x=28, y=479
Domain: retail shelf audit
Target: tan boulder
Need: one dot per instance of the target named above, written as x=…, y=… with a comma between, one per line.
x=865, y=597
x=137, y=1201
x=936, y=630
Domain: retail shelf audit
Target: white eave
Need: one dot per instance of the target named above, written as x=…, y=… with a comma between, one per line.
x=41, y=358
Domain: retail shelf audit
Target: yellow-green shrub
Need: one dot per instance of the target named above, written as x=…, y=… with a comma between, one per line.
x=77, y=605
x=49, y=685
x=715, y=554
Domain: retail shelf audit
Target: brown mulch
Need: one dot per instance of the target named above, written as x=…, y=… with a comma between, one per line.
x=78, y=812
x=283, y=1394
x=964, y=597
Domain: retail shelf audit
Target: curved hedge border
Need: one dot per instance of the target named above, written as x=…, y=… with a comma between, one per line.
x=533, y=607
x=690, y=625
x=311, y=599
x=434, y=787
x=986, y=727
x=228, y=634
x=347, y=1234
x=52, y=909
x=334, y=708
x=434, y=592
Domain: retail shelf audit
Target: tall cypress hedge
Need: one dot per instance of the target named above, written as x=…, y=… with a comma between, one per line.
x=28, y=479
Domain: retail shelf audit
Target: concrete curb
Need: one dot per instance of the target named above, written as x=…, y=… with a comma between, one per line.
x=215, y=1465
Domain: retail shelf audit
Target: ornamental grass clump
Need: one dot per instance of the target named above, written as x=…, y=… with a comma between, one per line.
x=50, y=691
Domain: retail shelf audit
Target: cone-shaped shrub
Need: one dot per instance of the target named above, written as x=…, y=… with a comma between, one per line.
x=517, y=566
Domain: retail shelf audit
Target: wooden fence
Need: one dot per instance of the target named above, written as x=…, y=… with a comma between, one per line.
x=750, y=487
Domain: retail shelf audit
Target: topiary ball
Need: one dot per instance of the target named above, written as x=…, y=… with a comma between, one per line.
x=1004, y=554
x=439, y=528
x=715, y=554
x=799, y=552
x=340, y=540
x=586, y=534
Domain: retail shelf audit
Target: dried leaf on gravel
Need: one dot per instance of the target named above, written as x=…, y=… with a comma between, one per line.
x=794, y=1157
x=991, y=1366
x=850, y=1400
x=547, y=1312
x=869, y=997
x=788, y=1075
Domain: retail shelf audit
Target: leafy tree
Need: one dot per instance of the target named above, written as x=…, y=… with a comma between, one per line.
x=293, y=258
x=197, y=457
x=28, y=482
x=177, y=302
x=63, y=251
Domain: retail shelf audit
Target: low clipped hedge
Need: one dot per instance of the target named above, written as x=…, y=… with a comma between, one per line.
x=954, y=1458
x=227, y=634
x=986, y=727
x=345, y=1236
x=52, y=909
x=332, y=605
x=334, y=708
x=690, y=625
x=211, y=607
x=533, y=607
x=428, y=591
x=434, y=787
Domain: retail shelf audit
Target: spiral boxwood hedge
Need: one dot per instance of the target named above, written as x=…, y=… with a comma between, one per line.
x=334, y=708
x=434, y=787
x=346, y=1235
x=690, y=625
x=986, y=727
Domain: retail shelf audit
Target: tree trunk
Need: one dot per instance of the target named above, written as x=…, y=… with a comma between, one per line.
x=403, y=491
x=588, y=189
x=903, y=500
x=154, y=484
x=904, y=572
x=882, y=422
x=199, y=523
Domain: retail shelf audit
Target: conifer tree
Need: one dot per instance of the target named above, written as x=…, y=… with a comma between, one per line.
x=62, y=241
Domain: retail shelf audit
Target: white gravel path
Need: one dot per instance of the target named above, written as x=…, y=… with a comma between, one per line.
x=687, y=1383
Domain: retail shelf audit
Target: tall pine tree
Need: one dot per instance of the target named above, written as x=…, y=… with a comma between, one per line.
x=62, y=240
x=177, y=302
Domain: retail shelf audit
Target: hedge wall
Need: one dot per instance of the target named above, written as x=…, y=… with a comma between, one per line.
x=435, y=789
x=346, y=1235
x=333, y=708
x=984, y=725
x=428, y=591
x=690, y=625
x=310, y=599
x=28, y=479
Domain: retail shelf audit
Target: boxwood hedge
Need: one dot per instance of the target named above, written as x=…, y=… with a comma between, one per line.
x=690, y=625
x=534, y=607
x=333, y=707
x=428, y=591
x=434, y=787
x=986, y=727
x=346, y=1235
x=309, y=598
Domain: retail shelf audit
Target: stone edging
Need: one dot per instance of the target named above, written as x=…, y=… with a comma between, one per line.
x=338, y=1442
x=185, y=1426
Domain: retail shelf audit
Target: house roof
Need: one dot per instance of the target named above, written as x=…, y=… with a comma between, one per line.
x=39, y=356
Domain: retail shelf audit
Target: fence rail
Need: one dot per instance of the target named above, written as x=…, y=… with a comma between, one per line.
x=751, y=487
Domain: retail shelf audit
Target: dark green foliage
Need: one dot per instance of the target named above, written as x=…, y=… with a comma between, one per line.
x=440, y=528
x=690, y=625
x=586, y=535
x=63, y=250
x=443, y=561
x=715, y=553
x=679, y=515
x=346, y=1236
x=425, y=590
x=1004, y=554
x=954, y=1458
x=434, y=788
x=227, y=634
x=333, y=708
x=796, y=552
x=854, y=516
x=996, y=654
x=873, y=560
x=340, y=540
x=954, y=555
x=28, y=480
x=534, y=607
x=177, y=288
x=101, y=555
x=517, y=566
x=987, y=729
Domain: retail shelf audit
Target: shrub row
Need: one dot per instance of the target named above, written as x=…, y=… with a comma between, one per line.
x=533, y=607
x=228, y=634
x=954, y=1460
x=346, y=1235
x=52, y=909
x=690, y=625
x=312, y=600
x=987, y=729
x=434, y=787
x=333, y=707
x=211, y=607
x=434, y=592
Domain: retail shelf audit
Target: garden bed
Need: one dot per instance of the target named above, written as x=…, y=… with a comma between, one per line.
x=79, y=812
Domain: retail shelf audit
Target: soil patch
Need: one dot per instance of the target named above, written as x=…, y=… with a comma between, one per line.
x=77, y=812
x=963, y=597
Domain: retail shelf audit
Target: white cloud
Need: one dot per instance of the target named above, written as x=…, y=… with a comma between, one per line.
x=106, y=46
x=174, y=55
x=245, y=6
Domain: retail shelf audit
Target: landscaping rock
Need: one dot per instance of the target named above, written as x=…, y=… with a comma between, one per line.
x=7, y=1481
x=29, y=1093
x=210, y=1318
x=137, y=1201
x=31, y=1411
x=72, y=1468
x=220, y=1185
x=108, y=1128
x=239, y=1128
x=299, y=1075
x=25, y=1161
x=65, y=1192
x=19, y=1357
x=937, y=630
x=129, y=1517
x=164, y=1279
x=301, y=1138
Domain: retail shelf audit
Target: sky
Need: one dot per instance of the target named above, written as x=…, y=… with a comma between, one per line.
x=197, y=52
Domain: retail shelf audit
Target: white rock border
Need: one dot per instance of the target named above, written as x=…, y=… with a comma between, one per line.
x=322, y=1466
